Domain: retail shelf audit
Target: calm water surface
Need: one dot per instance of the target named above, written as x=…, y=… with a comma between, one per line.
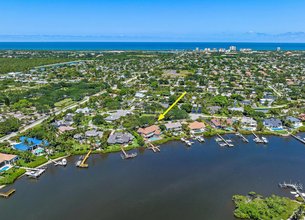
x=178, y=183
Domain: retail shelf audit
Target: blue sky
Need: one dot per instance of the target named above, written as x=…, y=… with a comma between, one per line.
x=158, y=20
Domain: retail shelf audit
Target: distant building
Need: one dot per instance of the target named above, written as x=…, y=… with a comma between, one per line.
x=233, y=48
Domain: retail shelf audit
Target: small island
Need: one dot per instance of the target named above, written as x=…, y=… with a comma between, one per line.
x=255, y=206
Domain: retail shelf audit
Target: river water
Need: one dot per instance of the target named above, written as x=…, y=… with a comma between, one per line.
x=178, y=183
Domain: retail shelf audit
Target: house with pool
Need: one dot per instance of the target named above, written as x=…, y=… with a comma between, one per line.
x=196, y=127
x=6, y=161
x=34, y=145
x=151, y=133
x=273, y=124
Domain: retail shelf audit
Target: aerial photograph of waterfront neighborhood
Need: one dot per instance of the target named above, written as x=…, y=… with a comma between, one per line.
x=151, y=127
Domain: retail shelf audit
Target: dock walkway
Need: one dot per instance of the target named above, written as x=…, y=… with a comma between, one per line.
x=153, y=147
x=83, y=163
x=225, y=141
x=298, y=138
x=8, y=193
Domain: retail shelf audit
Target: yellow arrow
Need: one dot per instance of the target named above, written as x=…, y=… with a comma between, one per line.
x=161, y=116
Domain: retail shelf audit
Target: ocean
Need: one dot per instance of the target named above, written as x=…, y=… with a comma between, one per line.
x=147, y=46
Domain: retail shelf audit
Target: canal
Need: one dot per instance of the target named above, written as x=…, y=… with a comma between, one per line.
x=178, y=183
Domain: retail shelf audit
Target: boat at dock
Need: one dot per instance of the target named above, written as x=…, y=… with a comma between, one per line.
x=62, y=162
x=35, y=173
x=200, y=139
x=265, y=140
x=128, y=156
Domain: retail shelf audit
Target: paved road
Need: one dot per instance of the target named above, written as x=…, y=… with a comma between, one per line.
x=40, y=120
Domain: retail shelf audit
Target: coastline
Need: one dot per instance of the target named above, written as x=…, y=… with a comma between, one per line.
x=158, y=142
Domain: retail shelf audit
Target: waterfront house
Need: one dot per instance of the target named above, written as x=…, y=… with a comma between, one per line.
x=295, y=122
x=302, y=117
x=216, y=123
x=149, y=132
x=248, y=124
x=6, y=161
x=120, y=138
x=273, y=124
x=33, y=145
x=173, y=126
x=196, y=127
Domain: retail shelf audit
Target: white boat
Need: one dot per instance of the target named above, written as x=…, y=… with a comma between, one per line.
x=188, y=143
x=34, y=173
x=63, y=162
x=229, y=140
x=258, y=140
x=200, y=139
x=293, y=192
x=218, y=139
x=78, y=163
x=265, y=140
x=182, y=139
x=222, y=144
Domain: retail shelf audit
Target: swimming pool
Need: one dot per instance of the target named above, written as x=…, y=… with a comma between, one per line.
x=5, y=168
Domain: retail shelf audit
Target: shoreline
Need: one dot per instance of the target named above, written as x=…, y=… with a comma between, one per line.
x=158, y=142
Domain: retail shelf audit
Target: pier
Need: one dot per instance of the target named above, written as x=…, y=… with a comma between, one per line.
x=225, y=141
x=8, y=193
x=259, y=140
x=295, y=186
x=154, y=148
x=126, y=155
x=242, y=137
x=298, y=138
x=83, y=163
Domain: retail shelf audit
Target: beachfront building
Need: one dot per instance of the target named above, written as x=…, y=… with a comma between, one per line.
x=120, y=138
x=173, y=126
x=33, y=145
x=248, y=124
x=295, y=122
x=196, y=127
x=151, y=133
x=273, y=124
x=6, y=161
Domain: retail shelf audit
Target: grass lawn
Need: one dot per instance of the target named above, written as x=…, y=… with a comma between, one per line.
x=10, y=176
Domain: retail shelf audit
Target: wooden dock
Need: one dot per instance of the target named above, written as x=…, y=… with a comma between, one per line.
x=154, y=148
x=83, y=163
x=242, y=137
x=8, y=193
x=298, y=138
x=125, y=155
x=225, y=141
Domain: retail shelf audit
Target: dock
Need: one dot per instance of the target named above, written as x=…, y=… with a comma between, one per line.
x=225, y=141
x=154, y=148
x=259, y=140
x=126, y=155
x=295, y=186
x=242, y=137
x=8, y=193
x=298, y=138
x=83, y=163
